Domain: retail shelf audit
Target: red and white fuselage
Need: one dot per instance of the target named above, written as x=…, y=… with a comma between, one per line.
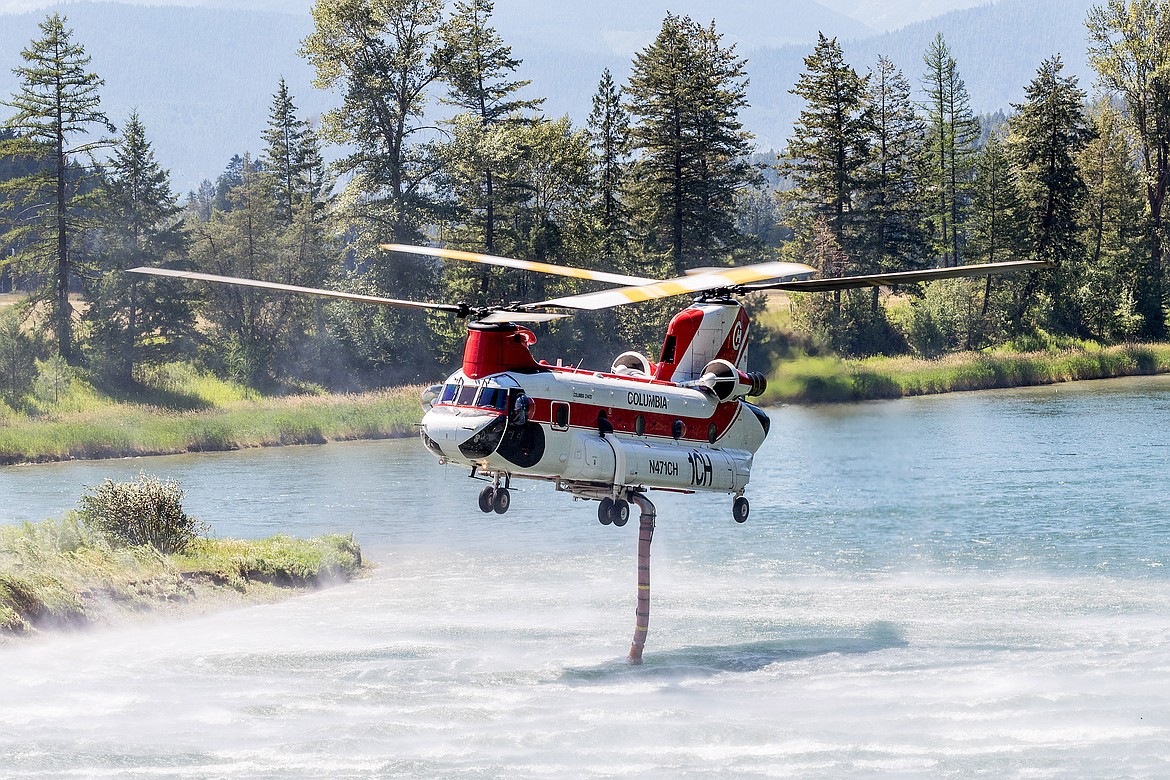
x=678, y=424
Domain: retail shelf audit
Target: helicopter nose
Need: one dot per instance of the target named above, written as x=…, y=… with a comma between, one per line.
x=460, y=435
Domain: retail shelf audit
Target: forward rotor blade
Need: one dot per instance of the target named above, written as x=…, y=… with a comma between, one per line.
x=727, y=277
x=460, y=310
x=902, y=277
x=526, y=265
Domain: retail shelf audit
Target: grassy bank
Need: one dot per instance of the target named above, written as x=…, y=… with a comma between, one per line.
x=832, y=380
x=87, y=425
x=55, y=574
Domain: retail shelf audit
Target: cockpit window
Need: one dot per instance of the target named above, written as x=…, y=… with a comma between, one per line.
x=448, y=393
x=466, y=395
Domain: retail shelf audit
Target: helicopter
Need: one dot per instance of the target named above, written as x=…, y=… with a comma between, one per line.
x=681, y=423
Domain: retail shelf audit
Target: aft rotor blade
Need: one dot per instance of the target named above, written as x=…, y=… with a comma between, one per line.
x=374, y=299
x=714, y=280
x=526, y=265
x=902, y=277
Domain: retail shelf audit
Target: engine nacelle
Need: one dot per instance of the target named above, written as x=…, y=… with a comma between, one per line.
x=633, y=364
x=728, y=382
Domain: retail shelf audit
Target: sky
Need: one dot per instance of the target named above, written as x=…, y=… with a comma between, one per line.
x=878, y=14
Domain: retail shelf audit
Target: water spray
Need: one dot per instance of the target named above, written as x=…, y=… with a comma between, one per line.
x=642, y=613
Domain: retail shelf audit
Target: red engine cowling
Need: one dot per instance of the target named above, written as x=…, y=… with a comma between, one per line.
x=493, y=348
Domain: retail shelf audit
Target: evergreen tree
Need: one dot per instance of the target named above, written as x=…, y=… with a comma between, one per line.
x=684, y=94
x=291, y=156
x=1047, y=133
x=58, y=117
x=953, y=134
x=1129, y=47
x=829, y=150
x=136, y=319
x=891, y=203
x=609, y=139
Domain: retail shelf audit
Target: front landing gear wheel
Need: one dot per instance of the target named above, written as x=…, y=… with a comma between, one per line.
x=740, y=510
x=502, y=500
x=487, y=497
x=620, y=512
x=605, y=511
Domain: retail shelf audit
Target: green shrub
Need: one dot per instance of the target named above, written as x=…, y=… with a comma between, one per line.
x=147, y=511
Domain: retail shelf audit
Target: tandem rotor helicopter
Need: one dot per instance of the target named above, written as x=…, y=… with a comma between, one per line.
x=681, y=423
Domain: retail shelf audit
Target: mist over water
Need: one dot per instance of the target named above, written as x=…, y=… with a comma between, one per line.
x=968, y=584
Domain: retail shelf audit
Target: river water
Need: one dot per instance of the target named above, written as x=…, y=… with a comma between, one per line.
x=972, y=584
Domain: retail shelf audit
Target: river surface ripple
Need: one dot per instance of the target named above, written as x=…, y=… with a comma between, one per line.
x=948, y=586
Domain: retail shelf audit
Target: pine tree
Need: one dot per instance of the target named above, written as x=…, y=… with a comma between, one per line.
x=1129, y=47
x=829, y=150
x=685, y=93
x=291, y=155
x=134, y=320
x=609, y=140
x=891, y=204
x=953, y=135
x=1047, y=133
x=58, y=118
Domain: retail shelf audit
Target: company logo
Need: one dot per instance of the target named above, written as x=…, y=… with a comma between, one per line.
x=648, y=400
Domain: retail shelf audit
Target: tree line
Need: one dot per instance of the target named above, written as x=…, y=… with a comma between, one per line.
x=438, y=138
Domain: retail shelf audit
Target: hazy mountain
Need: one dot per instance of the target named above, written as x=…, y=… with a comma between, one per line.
x=998, y=49
x=202, y=77
x=886, y=15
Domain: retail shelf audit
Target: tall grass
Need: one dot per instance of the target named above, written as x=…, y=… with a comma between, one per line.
x=56, y=574
x=103, y=427
x=830, y=379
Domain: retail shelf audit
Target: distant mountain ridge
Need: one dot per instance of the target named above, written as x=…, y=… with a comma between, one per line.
x=202, y=77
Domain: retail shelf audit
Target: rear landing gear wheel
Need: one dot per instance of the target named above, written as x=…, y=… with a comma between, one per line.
x=620, y=512
x=486, y=499
x=502, y=500
x=605, y=511
x=740, y=509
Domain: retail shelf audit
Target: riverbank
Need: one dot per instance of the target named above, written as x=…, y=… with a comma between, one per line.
x=111, y=430
x=834, y=380
x=53, y=575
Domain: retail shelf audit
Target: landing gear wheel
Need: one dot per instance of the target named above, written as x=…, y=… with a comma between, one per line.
x=620, y=512
x=486, y=499
x=740, y=509
x=502, y=500
x=605, y=511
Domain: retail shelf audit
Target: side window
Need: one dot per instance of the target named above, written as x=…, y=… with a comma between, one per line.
x=560, y=416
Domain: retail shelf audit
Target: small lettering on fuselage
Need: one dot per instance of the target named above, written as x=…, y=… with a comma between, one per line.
x=648, y=400
x=665, y=468
x=585, y=396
